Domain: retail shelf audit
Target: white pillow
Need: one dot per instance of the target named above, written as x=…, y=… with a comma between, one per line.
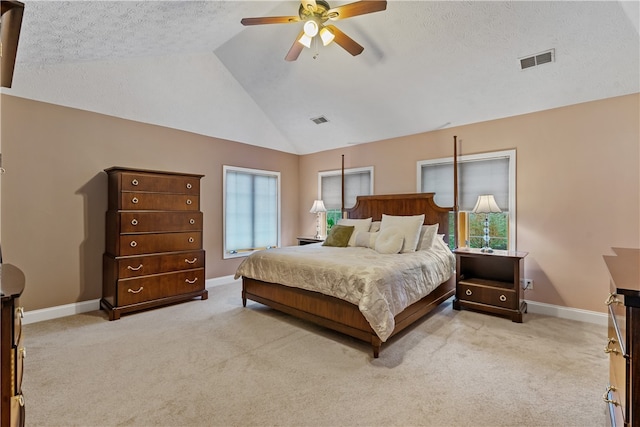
x=366, y=239
x=375, y=227
x=358, y=224
x=389, y=240
x=427, y=235
x=410, y=227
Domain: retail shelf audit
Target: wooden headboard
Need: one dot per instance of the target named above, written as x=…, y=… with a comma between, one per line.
x=402, y=204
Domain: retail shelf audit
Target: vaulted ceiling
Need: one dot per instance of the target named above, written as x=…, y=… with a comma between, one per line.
x=426, y=65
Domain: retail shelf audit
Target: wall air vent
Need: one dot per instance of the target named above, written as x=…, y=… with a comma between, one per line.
x=320, y=120
x=538, y=59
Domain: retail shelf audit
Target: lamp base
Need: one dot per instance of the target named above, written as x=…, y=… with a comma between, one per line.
x=486, y=250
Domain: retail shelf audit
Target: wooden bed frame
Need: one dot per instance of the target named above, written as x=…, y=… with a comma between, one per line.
x=343, y=316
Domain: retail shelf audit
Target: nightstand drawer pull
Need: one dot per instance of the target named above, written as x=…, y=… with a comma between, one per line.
x=189, y=185
x=134, y=268
x=468, y=292
x=134, y=221
x=134, y=182
x=611, y=299
x=503, y=298
x=134, y=200
x=191, y=282
x=605, y=396
x=193, y=261
x=137, y=291
x=608, y=350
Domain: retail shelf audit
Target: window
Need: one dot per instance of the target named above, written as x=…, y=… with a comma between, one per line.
x=486, y=173
x=357, y=182
x=251, y=210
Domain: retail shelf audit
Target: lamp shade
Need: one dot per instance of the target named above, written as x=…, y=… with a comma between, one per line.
x=486, y=204
x=318, y=206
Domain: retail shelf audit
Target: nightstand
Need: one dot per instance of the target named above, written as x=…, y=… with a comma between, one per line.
x=490, y=282
x=308, y=240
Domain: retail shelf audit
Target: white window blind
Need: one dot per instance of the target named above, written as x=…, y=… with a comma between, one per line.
x=475, y=177
x=251, y=210
x=357, y=182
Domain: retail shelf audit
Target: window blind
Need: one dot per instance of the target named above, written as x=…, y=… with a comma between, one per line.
x=355, y=184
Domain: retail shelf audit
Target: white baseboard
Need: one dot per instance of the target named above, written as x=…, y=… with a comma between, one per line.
x=567, y=313
x=34, y=316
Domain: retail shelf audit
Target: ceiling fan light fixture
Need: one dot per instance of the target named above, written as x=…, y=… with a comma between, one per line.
x=326, y=35
x=311, y=28
x=305, y=40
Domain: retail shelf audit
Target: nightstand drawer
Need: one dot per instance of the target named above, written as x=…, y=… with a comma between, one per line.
x=474, y=292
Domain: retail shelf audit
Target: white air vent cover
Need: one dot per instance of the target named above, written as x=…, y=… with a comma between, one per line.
x=320, y=120
x=538, y=59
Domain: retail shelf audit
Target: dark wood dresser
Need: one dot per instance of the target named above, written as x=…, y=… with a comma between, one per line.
x=623, y=343
x=154, y=252
x=13, y=352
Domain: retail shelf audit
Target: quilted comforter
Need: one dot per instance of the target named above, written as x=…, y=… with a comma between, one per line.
x=381, y=285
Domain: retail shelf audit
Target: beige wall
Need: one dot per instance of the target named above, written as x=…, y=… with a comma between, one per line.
x=578, y=187
x=54, y=192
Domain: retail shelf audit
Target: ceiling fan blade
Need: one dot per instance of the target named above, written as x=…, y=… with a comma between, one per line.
x=295, y=50
x=345, y=41
x=12, y=12
x=357, y=8
x=270, y=20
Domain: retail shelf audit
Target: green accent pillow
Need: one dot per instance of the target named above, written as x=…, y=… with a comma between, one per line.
x=339, y=236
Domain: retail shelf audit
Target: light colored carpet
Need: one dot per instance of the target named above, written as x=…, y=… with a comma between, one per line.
x=215, y=363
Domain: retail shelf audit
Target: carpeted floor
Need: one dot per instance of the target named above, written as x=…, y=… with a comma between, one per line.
x=215, y=363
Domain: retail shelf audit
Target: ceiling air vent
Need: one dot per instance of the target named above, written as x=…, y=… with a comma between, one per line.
x=320, y=120
x=538, y=59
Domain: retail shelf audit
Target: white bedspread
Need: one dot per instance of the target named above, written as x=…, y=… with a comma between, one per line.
x=380, y=285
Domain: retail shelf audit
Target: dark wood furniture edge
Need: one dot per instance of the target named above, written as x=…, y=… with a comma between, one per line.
x=115, y=312
x=136, y=170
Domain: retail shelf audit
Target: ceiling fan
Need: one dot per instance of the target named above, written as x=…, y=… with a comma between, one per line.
x=314, y=14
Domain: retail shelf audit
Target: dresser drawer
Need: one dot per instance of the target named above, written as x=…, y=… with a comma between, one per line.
x=149, y=288
x=498, y=297
x=158, y=222
x=158, y=201
x=153, y=264
x=157, y=183
x=140, y=244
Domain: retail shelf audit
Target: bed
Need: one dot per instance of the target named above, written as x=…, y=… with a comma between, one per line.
x=344, y=314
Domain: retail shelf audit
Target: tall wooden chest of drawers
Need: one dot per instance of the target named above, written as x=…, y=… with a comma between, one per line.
x=623, y=343
x=12, y=407
x=154, y=252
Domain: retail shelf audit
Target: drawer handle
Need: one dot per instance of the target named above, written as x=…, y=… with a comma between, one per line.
x=20, y=399
x=189, y=185
x=468, y=292
x=610, y=350
x=605, y=396
x=137, y=291
x=191, y=240
x=134, y=268
x=20, y=312
x=611, y=299
x=189, y=201
x=134, y=182
x=134, y=200
x=22, y=353
x=133, y=244
x=191, y=262
x=191, y=282
x=134, y=222
x=503, y=298
x=192, y=221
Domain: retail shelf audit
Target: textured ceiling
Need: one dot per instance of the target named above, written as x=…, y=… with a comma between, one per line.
x=426, y=65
